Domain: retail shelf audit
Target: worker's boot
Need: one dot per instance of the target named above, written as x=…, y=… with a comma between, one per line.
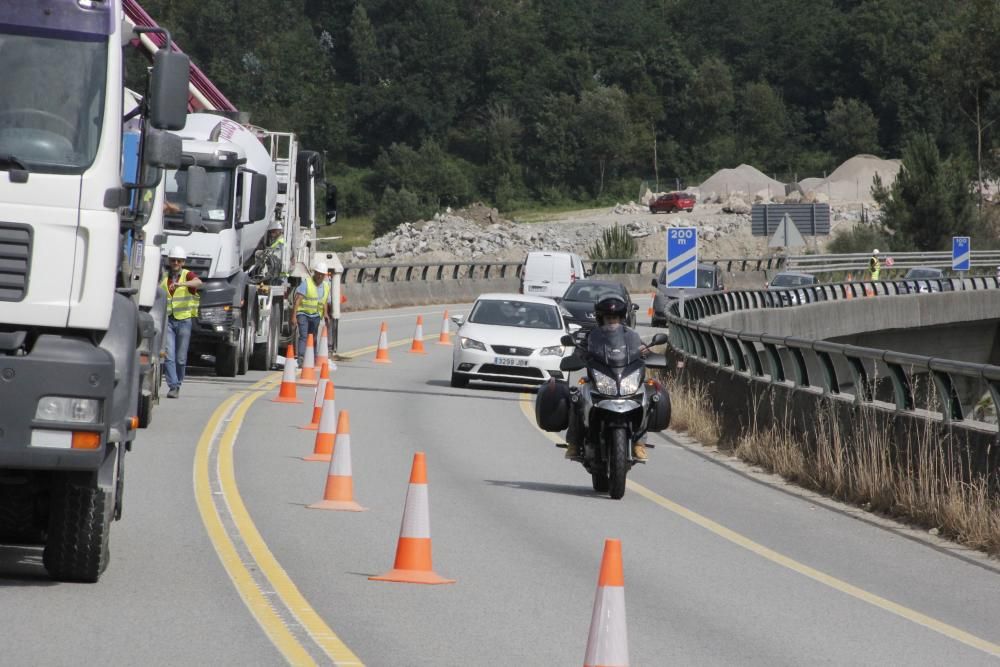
x=639, y=451
x=572, y=450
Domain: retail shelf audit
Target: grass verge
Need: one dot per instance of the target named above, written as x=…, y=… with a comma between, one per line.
x=925, y=486
x=356, y=231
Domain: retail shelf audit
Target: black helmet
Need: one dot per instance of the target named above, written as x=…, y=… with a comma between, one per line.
x=610, y=305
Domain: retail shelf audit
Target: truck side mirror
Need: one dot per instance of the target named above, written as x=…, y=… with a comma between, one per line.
x=331, y=203
x=258, y=198
x=194, y=188
x=168, y=90
x=162, y=150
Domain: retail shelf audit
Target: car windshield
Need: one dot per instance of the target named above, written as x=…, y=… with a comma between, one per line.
x=706, y=278
x=218, y=195
x=792, y=280
x=51, y=101
x=590, y=292
x=924, y=273
x=511, y=313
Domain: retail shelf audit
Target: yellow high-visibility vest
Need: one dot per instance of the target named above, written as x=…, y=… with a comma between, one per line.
x=314, y=301
x=875, y=266
x=183, y=305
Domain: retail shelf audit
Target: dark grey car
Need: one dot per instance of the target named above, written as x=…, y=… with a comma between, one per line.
x=787, y=281
x=580, y=297
x=709, y=280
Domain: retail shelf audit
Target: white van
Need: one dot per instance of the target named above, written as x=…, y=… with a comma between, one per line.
x=550, y=273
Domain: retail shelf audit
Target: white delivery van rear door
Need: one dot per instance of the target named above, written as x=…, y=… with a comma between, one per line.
x=563, y=275
x=538, y=273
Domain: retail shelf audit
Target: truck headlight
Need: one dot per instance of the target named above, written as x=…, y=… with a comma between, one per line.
x=472, y=344
x=605, y=384
x=554, y=351
x=68, y=409
x=630, y=383
x=215, y=314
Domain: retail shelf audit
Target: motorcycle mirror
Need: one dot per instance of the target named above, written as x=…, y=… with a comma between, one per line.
x=457, y=319
x=654, y=283
x=567, y=340
x=659, y=339
x=635, y=306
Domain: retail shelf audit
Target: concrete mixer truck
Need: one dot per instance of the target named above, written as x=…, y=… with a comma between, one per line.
x=253, y=179
x=76, y=291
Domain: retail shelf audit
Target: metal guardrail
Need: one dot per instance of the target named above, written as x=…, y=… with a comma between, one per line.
x=405, y=272
x=786, y=359
x=986, y=260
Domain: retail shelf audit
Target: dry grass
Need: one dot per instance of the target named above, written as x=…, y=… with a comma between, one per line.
x=926, y=488
x=691, y=412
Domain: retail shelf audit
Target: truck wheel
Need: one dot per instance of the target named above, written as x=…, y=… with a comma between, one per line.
x=246, y=347
x=225, y=360
x=266, y=353
x=79, y=530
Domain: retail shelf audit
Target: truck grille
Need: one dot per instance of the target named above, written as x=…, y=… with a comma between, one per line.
x=15, y=260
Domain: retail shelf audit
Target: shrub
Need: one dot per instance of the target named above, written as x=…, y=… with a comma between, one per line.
x=615, y=243
x=397, y=207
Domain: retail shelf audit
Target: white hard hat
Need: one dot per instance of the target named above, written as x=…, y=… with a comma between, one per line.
x=320, y=267
x=177, y=252
x=275, y=226
x=875, y=251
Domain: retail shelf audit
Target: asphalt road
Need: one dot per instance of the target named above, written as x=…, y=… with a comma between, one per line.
x=722, y=565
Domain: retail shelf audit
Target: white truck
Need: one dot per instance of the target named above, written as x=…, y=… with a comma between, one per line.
x=253, y=177
x=77, y=289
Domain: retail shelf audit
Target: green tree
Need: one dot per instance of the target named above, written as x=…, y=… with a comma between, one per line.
x=930, y=200
x=851, y=128
x=765, y=126
x=363, y=47
x=603, y=121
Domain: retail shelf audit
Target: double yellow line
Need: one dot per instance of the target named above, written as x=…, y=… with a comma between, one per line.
x=259, y=604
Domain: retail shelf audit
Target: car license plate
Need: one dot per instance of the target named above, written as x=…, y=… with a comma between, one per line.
x=536, y=288
x=509, y=361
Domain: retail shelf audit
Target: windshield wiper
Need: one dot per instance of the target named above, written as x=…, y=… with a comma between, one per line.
x=12, y=161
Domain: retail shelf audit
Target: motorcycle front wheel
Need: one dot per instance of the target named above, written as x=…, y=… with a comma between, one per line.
x=618, y=464
x=600, y=480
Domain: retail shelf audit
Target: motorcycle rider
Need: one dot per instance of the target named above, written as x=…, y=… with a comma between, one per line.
x=610, y=313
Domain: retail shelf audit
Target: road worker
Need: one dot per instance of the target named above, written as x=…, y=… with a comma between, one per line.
x=874, y=265
x=181, y=287
x=310, y=307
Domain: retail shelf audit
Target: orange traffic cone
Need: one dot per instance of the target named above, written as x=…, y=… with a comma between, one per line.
x=339, y=491
x=308, y=375
x=286, y=393
x=382, y=353
x=318, y=396
x=443, y=338
x=326, y=433
x=608, y=640
x=649, y=311
x=413, y=551
x=322, y=346
x=418, y=337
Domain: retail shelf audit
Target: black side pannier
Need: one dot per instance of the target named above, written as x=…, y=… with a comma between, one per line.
x=552, y=406
x=659, y=409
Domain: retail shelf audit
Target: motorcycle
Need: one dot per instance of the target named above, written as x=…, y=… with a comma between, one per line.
x=614, y=406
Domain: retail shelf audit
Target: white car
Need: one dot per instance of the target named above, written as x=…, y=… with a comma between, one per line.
x=509, y=338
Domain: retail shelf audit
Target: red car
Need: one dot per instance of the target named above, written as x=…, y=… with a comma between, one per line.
x=672, y=201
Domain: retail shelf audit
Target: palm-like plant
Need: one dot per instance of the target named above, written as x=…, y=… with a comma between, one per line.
x=615, y=243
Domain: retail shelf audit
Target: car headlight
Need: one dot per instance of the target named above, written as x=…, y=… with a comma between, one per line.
x=605, y=385
x=472, y=344
x=67, y=409
x=553, y=351
x=591, y=316
x=630, y=383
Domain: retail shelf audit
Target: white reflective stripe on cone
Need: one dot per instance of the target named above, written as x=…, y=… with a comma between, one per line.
x=608, y=640
x=289, y=374
x=383, y=340
x=328, y=420
x=320, y=393
x=416, y=513
x=340, y=464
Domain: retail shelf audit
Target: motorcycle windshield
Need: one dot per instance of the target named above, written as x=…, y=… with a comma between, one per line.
x=616, y=347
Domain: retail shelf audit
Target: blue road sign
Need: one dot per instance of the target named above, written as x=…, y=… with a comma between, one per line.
x=682, y=257
x=961, y=253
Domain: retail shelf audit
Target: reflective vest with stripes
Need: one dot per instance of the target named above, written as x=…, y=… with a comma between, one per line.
x=183, y=305
x=315, y=298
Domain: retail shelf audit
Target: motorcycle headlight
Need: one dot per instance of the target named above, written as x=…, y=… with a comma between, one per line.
x=472, y=344
x=67, y=409
x=630, y=383
x=605, y=385
x=554, y=351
